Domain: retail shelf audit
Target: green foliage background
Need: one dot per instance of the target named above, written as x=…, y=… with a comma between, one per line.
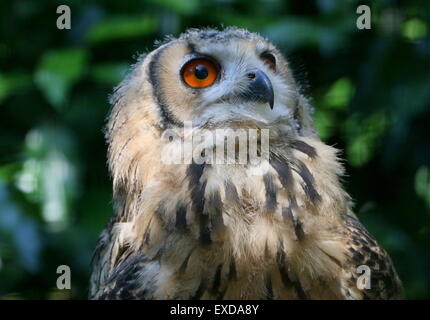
x=370, y=89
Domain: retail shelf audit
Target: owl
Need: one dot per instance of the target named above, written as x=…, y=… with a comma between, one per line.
x=197, y=218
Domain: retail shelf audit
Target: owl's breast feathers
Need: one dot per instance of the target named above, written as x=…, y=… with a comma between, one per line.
x=283, y=230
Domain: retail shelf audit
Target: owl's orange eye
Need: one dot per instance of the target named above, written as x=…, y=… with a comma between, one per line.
x=199, y=73
x=269, y=59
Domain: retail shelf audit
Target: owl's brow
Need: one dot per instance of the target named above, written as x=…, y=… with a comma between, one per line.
x=191, y=47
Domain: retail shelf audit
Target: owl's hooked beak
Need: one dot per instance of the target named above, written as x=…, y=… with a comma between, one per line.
x=260, y=88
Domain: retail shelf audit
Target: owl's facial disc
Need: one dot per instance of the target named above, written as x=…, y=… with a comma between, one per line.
x=241, y=79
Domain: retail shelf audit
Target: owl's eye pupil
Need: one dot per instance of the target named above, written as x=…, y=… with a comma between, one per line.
x=201, y=72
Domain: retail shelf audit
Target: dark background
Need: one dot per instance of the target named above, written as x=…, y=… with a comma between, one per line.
x=370, y=89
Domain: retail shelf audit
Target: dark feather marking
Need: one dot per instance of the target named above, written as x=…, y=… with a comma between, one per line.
x=287, y=282
x=231, y=192
x=166, y=115
x=385, y=282
x=161, y=213
x=287, y=214
x=123, y=147
x=217, y=279
x=215, y=204
x=232, y=274
x=271, y=190
x=299, y=290
x=112, y=119
x=286, y=178
x=134, y=175
x=215, y=201
x=280, y=259
x=157, y=255
x=298, y=229
x=111, y=257
x=195, y=172
x=132, y=285
x=199, y=292
x=184, y=264
x=269, y=288
x=304, y=147
x=221, y=295
x=267, y=253
x=333, y=259
x=296, y=116
x=191, y=47
x=147, y=232
x=141, y=294
x=125, y=294
x=283, y=170
x=205, y=232
x=181, y=218
x=293, y=203
x=309, y=182
x=122, y=284
x=358, y=257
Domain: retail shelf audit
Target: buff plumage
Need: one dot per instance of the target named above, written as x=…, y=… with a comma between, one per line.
x=223, y=231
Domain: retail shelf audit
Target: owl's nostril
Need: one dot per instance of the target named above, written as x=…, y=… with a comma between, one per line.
x=259, y=88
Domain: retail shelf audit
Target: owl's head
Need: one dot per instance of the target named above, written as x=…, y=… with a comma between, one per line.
x=215, y=78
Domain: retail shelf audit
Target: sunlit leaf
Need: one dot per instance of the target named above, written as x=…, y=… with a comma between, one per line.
x=414, y=29
x=339, y=94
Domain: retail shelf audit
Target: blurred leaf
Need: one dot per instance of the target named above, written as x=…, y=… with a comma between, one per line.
x=109, y=73
x=7, y=172
x=363, y=136
x=49, y=174
x=295, y=32
x=121, y=28
x=358, y=151
x=422, y=184
x=181, y=7
x=325, y=123
x=339, y=94
x=58, y=71
x=4, y=87
x=22, y=229
x=414, y=29
x=10, y=83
